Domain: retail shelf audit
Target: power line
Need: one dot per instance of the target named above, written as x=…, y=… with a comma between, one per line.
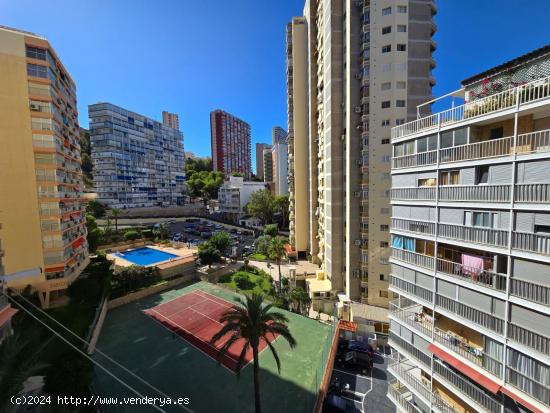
x=81, y=352
x=100, y=352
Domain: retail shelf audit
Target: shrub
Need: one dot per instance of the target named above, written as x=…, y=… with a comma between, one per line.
x=262, y=244
x=226, y=278
x=131, y=235
x=243, y=281
x=271, y=230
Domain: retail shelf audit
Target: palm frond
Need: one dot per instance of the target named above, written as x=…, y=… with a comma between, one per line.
x=275, y=355
x=282, y=330
x=226, y=328
x=242, y=356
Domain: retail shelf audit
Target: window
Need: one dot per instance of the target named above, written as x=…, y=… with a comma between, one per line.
x=482, y=174
x=386, y=11
x=402, y=28
x=386, y=67
x=497, y=133
x=386, y=122
x=401, y=85
x=384, y=228
x=384, y=294
x=483, y=219
x=399, y=122
x=426, y=182
x=449, y=177
x=36, y=53
x=386, y=158
x=381, y=277
x=386, y=104
x=401, y=67
x=386, y=30
x=366, y=53
x=401, y=9
x=385, y=86
x=384, y=211
x=386, y=141
x=542, y=229
x=37, y=70
x=386, y=49
x=401, y=47
x=428, y=143
x=384, y=244
x=400, y=103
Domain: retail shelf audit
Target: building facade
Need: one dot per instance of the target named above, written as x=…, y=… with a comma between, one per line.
x=279, y=155
x=278, y=135
x=260, y=159
x=470, y=265
x=172, y=120
x=268, y=165
x=234, y=194
x=138, y=161
x=368, y=66
x=6, y=310
x=230, y=142
x=41, y=206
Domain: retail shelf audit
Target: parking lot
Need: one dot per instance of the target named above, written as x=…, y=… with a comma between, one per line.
x=361, y=392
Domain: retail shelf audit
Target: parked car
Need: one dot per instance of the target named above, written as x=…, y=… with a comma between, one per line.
x=205, y=234
x=354, y=360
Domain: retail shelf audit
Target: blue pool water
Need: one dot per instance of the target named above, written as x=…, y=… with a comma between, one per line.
x=146, y=256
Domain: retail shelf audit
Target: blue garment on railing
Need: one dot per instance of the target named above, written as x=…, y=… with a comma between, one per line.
x=397, y=241
x=409, y=244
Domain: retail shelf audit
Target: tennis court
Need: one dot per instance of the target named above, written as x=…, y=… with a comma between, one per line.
x=194, y=317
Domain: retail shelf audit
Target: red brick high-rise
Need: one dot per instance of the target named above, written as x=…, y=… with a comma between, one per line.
x=230, y=140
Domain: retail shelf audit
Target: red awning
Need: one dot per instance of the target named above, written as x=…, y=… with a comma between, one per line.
x=78, y=242
x=476, y=376
x=6, y=314
x=348, y=326
x=521, y=401
x=289, y=250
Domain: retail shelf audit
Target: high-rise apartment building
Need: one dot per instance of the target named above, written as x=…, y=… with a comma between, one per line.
x=268, y=165
x=41, y=206
x=171, y=120
x=470, y=262
x=230, y=140
x=138, y=161
x=260, y=159
x=368, y=65
x=278, y=135
x=279, y=156
x=6, y=310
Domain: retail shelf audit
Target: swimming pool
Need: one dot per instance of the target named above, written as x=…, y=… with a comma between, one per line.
x=146, y=256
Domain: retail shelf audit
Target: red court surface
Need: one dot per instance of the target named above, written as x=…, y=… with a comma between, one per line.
x=194, y=317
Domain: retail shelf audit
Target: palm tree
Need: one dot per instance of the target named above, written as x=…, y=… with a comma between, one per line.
x=115, y=214
x=277, y=251
x=253, y=320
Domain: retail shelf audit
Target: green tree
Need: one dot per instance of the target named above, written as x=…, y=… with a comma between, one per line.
x=162, y=232
x=300, y=298
x=271, y=230
x=198, y=165
x=238, y=174
x=261, y=205
x=96, y=208
x=262, y=244
x=221, y=241
x=115, y=214
x=277, y=252
x=131, y=235
x=282, y=206
x=95, y=235
x=251, y=320
x=204, y=185
x=208, y=254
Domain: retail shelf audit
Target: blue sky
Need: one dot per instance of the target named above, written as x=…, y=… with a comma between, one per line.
x=190, y=56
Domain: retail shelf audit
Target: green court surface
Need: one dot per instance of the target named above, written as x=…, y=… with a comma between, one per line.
x=178, y=369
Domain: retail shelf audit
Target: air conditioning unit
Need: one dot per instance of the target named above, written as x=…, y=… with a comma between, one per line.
x=357, y=194
x=34, y=106
x=343, y=136
x=357, y=109
x=358, y=75
x=357, y=242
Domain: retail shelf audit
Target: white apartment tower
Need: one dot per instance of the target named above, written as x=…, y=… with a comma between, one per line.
x=470, y=259
x=368, y=66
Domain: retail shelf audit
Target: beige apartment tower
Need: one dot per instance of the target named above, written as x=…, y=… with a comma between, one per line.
x=41, y=205
x=367, y=66
x=172, y=120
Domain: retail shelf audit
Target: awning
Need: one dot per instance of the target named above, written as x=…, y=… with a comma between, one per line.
x=521, y=401
x=289, y=250
x=348, y=326
x=6, y=314
x=479, y=378
x=78, y=242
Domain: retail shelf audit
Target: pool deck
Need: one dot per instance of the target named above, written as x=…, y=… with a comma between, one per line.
x=183, y=255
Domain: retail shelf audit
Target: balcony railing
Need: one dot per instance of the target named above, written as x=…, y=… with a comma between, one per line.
x=467, y=388
x=417, y=227
x=530, y=291
x=416, y=290
x=530, y=92
x=478, y=235
x=478, y=150
x=411, y=351
x=418, y=194
x=461, y=347
x=399, y=394
x=415, y=258
x=466, y=193
x=417, y=159
x=535, y=193
x=528, y=385
x=479, y=317
x=411, y=315
x=537, y=243
x=529, y=338
x=533, y=142
x=401, y=370
x=486, y=278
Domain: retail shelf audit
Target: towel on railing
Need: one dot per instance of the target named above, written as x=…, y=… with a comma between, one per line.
x=472, y=265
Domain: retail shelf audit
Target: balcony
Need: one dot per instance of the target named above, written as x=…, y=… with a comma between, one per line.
x=402, y=370
x=414, y=194
x=475, y=193
x=485, y=278
x=411, y=351
x=410, y=288
x=526, y=384
x=530, y=291
x=479, y=150
x=401, y=396
x=476, y=235
x=529, y=338
x=417, y=159
x=537, y=243
x=474, y=315
x=420, y=260
x=525, y=94
x=413, y=226
x=412, y=314
x=532, y=193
